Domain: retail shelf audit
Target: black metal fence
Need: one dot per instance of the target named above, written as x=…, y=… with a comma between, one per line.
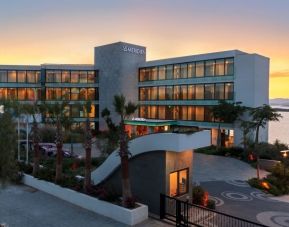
x=183, y=213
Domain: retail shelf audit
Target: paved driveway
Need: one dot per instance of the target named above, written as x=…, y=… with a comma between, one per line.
x=212, y=168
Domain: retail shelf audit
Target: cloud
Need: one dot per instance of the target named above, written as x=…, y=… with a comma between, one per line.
x=282, y=74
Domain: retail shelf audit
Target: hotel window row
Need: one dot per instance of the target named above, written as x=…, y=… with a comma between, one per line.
x=185, y=113
x=28, y=94
x=72, y=94
x=218, y=91
x=19, y=76
x=218, y=67
x=71, y=76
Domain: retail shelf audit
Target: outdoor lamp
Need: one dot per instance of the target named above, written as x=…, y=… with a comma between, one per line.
x=284, y=153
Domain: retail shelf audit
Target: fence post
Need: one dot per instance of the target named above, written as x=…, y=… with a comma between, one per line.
x=162, y=206
x=178, y=213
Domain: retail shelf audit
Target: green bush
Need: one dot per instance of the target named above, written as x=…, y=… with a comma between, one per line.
x=47, y=134
x=211, y=150
x=46, y=174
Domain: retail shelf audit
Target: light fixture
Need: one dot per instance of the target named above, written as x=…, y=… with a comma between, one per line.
x=284, y=153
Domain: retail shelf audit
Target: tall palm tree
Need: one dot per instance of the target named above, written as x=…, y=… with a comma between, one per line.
x=227, y=113
x=124, y=110
x=260, y=117
x=58, y=115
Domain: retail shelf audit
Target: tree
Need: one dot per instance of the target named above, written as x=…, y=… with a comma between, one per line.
x=34, y=110
x=57, y=114
x=87, y=146
x=260, y=117
x=227, y=113
x=124, y=110
x=8, y=167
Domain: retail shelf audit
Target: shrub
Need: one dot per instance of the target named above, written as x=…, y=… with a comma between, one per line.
x=25, y=168
x=47, y=134
x=46, y=174
x=198, y=195
x=130, y=202
x=211, y=204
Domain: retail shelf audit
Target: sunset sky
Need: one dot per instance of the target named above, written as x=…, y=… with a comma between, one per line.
x=65, y=31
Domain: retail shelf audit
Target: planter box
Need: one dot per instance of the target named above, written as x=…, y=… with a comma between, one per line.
x=118, y=213
x=267, y=164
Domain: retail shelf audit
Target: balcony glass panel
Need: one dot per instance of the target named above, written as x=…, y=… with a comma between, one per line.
x=162, y=72
x=184, y=71
x=219, y=91
x=177, y=71
x=3, y=76
x=21, y=76
x=191, y=92
x=74, y=77
x=209, y=91
x=229, y=66
x=200, y=113
x=162, y=93
x=65, y=77
x=169, y=72
x=220, y=67
x=200, y=69
x=191, y=70
x=210, y=68
x=83, y=77
x=199, y=91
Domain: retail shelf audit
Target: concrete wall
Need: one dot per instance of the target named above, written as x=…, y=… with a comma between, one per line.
x=118, y=74
x=149, y=175
x=251, y=86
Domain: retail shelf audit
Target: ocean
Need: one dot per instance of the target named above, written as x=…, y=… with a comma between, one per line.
x=280, y=129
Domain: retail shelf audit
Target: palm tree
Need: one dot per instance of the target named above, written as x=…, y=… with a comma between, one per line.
x=228, y=113
x=58, y=115
x=124, y=110
x=260, y=117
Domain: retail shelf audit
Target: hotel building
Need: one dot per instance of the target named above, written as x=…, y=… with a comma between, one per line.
x=172, y=93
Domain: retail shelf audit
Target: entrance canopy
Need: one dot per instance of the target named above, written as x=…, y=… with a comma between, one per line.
x=150, y=122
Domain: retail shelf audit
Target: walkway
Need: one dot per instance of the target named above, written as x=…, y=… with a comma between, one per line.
x=22, y=206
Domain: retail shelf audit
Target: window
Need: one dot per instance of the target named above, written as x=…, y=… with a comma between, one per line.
x=12, y=93
x=220, y=67
x=143, y=94
x=83, y=77
x=229, y=66
x=199, y=113
x=183, y=113
x=3, y=93
x=74, y=93
x=191, y=113
x=65, y=77
x=179, y=183
x=153, y=93
x=229, y=91
x=65, y=93
x=153, y=112
x=31, y=77
x=74, y=76
x=162, y=112
x=162, y=93
x=91, y=95
x=154, y=73
x=176, y=112
x=143, y=111
x=31, y=94
x=191, y=92
x=92, y=77
x=183, y=92
x=162, y=72
x=169, y=72
x=191, y=70
x=50, y=94
x=12, y=78
x=210, y=68
x=177, y=71
x=209, y=91
x=199, y=69
x=58, y=93
x=3, y=76
x=199, y=91
x=21, y=94
x=208, y=115
x=169, y=92
x=83, y=94
x=57, y=76
x=219, y=91
x=21, y=76
x=176, y=92
x=49, y=76
x=142, y=75
x=75, y=111
x=184, y=71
